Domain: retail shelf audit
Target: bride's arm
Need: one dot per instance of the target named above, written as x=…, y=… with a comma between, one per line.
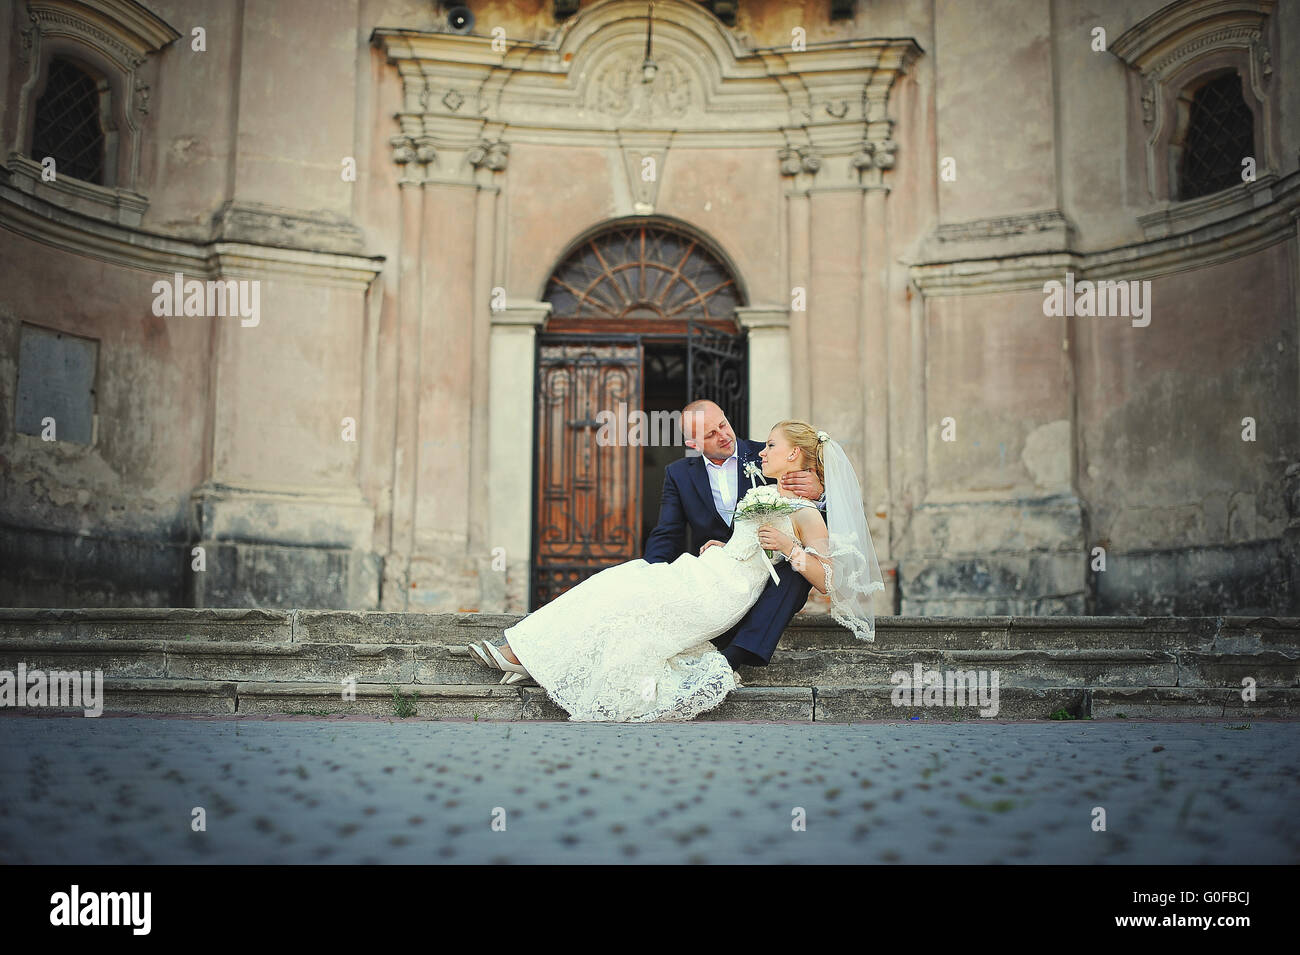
x=816, y=567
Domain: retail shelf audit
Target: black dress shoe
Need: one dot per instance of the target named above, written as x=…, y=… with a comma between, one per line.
x=739, y=656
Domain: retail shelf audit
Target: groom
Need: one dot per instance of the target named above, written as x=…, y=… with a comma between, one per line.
x=700, y=493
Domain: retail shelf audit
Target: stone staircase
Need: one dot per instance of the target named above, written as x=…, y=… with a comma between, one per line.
x=409, y=664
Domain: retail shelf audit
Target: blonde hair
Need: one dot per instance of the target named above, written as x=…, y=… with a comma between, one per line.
x=804, y=437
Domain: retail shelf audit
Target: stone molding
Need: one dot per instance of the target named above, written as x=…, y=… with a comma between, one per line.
x=1173, y=217
x=260, y=224
x=1235, y=230
x=1044, y=231
x=762, y=317
x=309, y=516
x=51, y=224
x=522, y=313
x=120, y=206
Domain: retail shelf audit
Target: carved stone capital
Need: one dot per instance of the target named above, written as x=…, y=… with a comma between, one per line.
x=886, y=154
x=809, y=161
x=403, y=149
x=865, y=157
x=425, y=150
x=789, y=161
x=493, y=155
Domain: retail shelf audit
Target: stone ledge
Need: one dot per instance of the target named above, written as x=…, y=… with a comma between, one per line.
x=1271, y=703
x=1231, y=633
x=823, y=704
x=847, y=704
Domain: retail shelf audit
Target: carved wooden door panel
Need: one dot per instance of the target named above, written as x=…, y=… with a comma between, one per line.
x=587, y=492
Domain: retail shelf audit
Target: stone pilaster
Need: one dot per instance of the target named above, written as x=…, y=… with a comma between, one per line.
x=771, y=390
x=512, y=376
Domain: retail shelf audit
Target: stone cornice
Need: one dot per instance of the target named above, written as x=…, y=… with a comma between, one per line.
x=1238, y=234
x=60, y=228
x=762, y=317
x=520, y=313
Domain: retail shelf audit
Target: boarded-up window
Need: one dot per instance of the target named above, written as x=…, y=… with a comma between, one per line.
x=56, y=379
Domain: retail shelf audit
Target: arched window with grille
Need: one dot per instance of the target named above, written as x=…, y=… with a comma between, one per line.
x=1218, y=132
x=69, y=122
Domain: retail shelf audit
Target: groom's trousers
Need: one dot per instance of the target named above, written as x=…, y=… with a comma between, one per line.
x=759, y=631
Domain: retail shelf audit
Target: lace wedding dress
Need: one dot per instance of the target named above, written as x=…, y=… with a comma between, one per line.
x=631, y=643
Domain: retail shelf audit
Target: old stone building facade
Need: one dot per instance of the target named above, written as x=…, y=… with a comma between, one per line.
x=448, y=251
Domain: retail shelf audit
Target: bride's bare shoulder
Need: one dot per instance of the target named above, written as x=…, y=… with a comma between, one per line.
x=809, y=516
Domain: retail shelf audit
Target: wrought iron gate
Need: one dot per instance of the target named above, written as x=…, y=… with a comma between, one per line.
x=716, y=368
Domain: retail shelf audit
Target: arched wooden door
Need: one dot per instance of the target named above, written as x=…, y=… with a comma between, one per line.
x=642, y=320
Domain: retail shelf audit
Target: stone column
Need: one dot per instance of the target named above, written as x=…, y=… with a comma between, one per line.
x=771, y=371
x=798, y=212
x=875, y=357
x=512, y=372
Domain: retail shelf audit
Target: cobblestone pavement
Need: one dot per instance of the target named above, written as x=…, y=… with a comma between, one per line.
x=300, y=790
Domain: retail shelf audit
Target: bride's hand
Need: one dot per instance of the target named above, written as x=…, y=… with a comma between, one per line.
x=711, y=544
x=772, y=539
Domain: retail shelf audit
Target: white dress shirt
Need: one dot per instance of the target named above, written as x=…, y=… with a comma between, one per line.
x=722, y=479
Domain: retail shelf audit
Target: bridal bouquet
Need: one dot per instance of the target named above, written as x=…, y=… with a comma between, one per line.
x=764, y=501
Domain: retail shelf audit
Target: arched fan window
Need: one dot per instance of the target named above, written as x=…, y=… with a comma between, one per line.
x=1220, y=134
x=644, y=275
x=67, y=122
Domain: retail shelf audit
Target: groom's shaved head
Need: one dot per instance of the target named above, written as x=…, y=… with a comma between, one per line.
x=696, y=413
x=707, y=428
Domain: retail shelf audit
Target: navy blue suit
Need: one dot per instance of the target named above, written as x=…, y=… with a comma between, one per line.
x=688, y=506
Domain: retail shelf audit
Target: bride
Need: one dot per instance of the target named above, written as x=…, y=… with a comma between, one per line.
x=632, y=643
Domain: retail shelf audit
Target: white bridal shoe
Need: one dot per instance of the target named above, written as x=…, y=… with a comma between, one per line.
x=514, y=672
x=482, y=656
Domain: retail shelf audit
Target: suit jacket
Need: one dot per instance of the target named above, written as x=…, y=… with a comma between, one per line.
x=687, y=507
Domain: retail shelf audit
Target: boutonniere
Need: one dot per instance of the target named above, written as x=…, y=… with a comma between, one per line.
x=753, y=471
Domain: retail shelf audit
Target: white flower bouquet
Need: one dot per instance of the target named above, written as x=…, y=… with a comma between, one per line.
x=764, y=501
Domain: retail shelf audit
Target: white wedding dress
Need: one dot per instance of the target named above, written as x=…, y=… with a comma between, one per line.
x=631, y=643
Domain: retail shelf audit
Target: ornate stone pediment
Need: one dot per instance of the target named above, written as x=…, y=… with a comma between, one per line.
x=120, y=29
x=584, y=85
x=1162, y=43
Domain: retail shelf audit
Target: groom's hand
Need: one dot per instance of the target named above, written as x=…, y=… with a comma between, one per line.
x=803, y=483
x=711, y=544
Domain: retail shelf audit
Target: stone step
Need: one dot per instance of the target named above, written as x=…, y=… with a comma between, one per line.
x=264, y=661
x=807, y=631
x=435, y=664
x=826, y=704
